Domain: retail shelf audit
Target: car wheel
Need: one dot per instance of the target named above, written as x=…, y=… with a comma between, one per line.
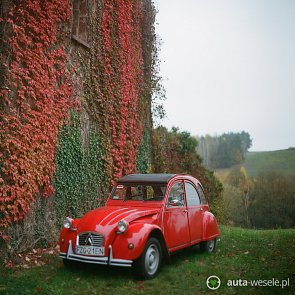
x=208, y=246
x=148, y=264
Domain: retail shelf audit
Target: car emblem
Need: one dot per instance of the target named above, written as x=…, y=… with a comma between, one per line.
x=89, y=240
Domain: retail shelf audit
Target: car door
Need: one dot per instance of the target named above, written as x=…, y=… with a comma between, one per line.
x=195, y=212
x=175, y=221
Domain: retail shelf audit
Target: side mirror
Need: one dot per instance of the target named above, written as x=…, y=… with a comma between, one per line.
x=175, y=203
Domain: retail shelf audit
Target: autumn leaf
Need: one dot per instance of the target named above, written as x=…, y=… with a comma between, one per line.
x=9, y=264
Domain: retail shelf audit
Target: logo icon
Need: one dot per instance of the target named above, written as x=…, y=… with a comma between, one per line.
x=89, y=240
x=213, y=282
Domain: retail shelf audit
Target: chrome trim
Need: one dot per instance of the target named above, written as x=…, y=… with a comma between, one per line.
x=95, y=259
x=118, y=262
x=90, y=239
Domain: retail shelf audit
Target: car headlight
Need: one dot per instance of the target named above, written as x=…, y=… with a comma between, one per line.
x=68, y=222
x=122, y=226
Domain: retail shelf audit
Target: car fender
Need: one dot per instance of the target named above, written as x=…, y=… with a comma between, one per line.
x=137, y=234
x=210, y=227
x=65, y=236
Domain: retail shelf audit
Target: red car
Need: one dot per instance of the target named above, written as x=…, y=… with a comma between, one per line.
x=147, y=217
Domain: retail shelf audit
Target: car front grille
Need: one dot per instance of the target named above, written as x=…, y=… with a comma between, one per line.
x=90, y=239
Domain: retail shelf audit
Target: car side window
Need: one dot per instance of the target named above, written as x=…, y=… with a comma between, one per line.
x=192, y=197
x=201, y=194
x=176, y=195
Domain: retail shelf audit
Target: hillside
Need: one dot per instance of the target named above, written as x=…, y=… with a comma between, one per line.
x=257, y=192
x=282, y=161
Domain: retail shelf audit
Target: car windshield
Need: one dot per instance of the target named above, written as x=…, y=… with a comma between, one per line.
x=139, y=192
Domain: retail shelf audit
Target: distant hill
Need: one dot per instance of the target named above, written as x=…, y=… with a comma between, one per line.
x=282, y=161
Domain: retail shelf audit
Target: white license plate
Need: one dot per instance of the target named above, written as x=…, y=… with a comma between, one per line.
x=89, y=250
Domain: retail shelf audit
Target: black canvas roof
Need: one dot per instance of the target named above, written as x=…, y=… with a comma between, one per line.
x=146, y=178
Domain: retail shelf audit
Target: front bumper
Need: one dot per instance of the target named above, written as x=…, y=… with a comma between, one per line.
x=106, y=260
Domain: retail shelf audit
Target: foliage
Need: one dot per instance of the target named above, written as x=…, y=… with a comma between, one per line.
x=175, y=152
x=267, y=201
x=34, y=102
x=153, y=91
x=79, y=172
x=118, y=82
x=241, y=254
x=114, y=79
x=224, y=151
x=272, y=201
x=37, y=229
x=237, y=190
x=121, y=75
x=143, y=161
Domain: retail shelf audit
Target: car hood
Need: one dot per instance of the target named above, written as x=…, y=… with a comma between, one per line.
x=106, y=219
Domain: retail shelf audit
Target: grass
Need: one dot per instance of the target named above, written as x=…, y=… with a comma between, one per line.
x=282, y=162
x=242, y=254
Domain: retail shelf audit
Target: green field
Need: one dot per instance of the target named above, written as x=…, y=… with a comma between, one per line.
x=282, y=162
x=242, y=254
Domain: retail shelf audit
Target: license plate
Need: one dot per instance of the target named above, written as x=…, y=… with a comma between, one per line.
x=89, y=250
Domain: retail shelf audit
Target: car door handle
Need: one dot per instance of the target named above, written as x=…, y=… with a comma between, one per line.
x=201, y=209
x=185, y=211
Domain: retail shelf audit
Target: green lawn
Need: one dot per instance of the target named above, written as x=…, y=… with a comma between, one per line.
x=242, y=254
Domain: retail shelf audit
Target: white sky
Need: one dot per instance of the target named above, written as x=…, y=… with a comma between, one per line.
x=229, y=65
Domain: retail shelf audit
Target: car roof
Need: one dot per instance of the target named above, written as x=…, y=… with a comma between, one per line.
x=147, y=178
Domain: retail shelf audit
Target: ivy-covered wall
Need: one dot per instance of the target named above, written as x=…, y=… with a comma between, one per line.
x=77, y=79
x=35, y=97
x=144, y=154
x=80, y=172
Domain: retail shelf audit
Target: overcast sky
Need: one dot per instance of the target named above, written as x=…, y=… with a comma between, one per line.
x=229, y=65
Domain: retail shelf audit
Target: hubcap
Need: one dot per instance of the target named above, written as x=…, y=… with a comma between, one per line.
x=211, y=245
x=152, y=259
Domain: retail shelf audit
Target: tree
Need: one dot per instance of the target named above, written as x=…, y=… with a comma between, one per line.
x=225, y=150
x=272, y=201
x=175, y=152
x=239, y=180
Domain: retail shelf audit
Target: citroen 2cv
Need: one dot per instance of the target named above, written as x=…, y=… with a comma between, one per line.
x=147, y=217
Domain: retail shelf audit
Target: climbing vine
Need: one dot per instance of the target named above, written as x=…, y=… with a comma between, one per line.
x=144, y=155
x=42, y=151
x=121, y=78
x=116, y=103
x=79, y=171
x=35, y=99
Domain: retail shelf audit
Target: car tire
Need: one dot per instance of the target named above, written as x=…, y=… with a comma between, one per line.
x=208, y=246
x=149, y=263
